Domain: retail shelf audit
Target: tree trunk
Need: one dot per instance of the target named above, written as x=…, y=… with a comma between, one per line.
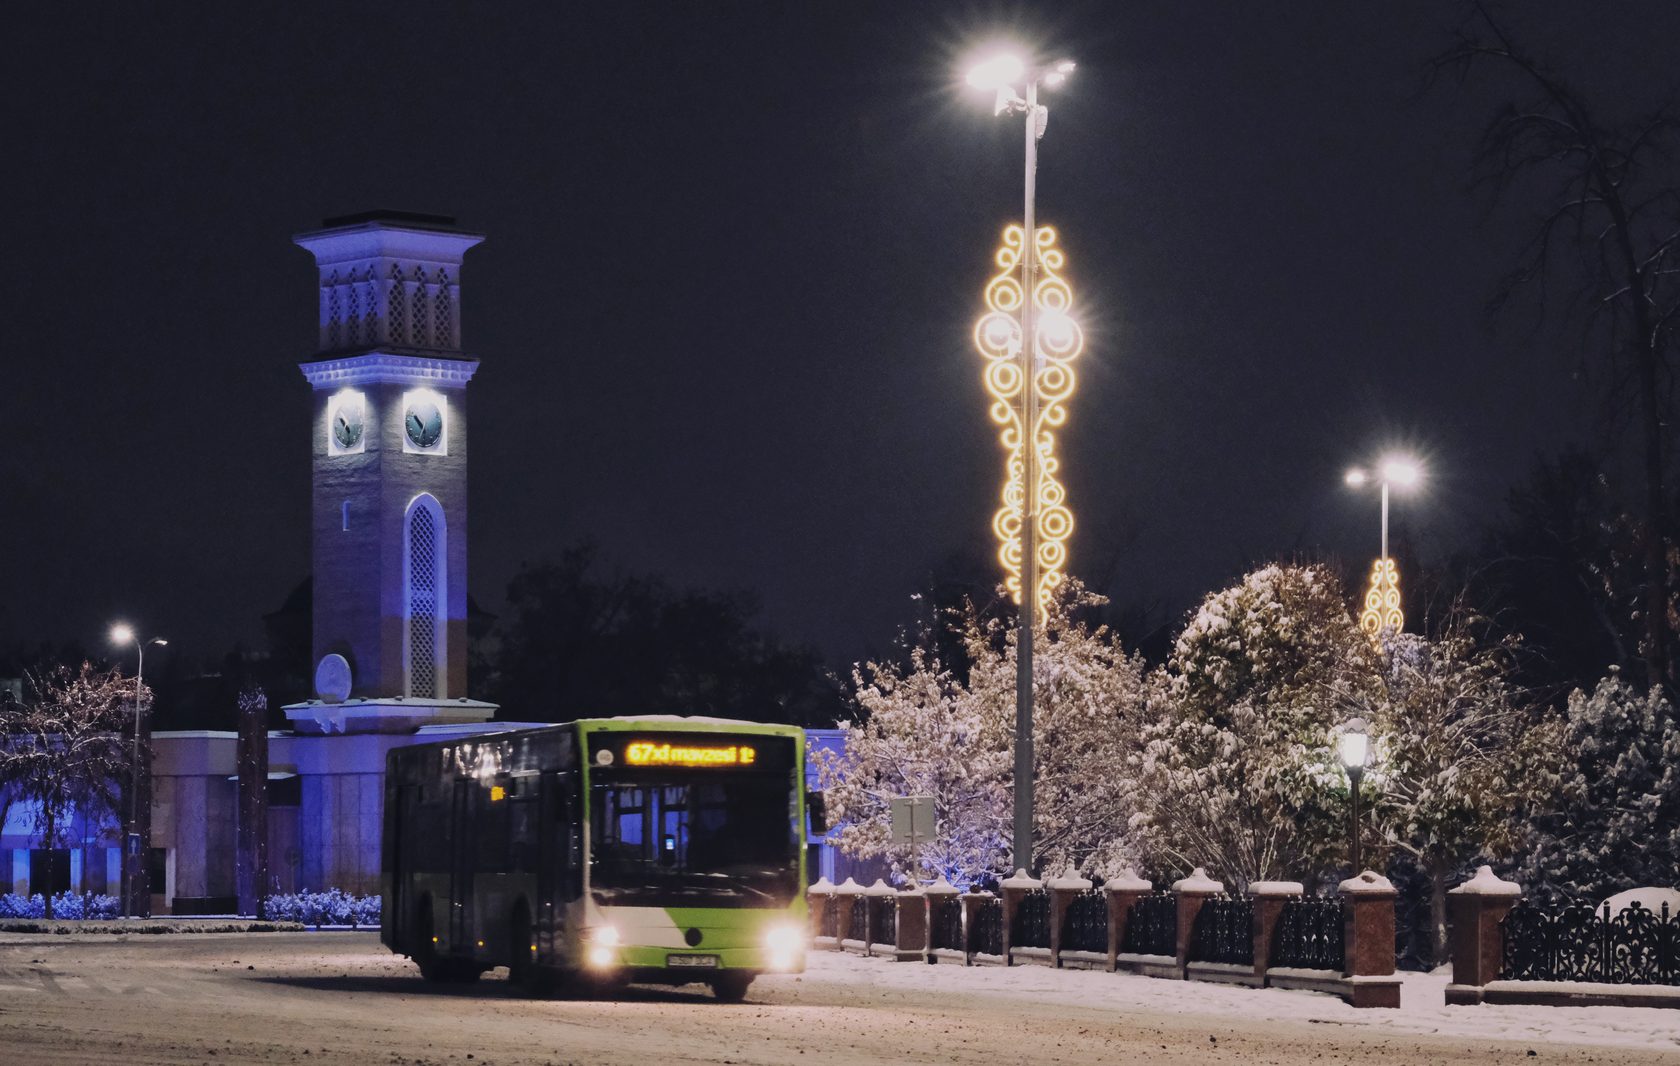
x=49, y=826
x=1437, y=912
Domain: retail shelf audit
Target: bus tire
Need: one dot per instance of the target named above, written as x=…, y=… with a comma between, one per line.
x=731, y=987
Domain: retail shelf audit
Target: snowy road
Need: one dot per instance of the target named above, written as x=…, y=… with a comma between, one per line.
x=340, y=998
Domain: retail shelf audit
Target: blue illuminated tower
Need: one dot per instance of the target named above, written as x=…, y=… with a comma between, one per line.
x=389, y=436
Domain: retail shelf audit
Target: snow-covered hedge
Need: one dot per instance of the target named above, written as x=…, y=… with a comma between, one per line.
x=332, y=907
x=65, y=905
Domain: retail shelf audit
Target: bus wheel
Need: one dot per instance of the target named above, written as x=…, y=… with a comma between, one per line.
x=731, y=987
x=522, y=946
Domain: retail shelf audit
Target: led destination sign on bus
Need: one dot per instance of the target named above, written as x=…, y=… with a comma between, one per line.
x=651, y=753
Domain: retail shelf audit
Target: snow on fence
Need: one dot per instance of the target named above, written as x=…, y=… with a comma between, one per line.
x=1270, y=936
x=1507, y=949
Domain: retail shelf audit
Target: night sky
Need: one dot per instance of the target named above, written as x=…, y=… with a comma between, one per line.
x=734, y=253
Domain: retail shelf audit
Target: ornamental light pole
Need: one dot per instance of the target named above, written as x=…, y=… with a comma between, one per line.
x=1382, y=598
x=1029, y=340
x=122, y=634
x=1354, y=747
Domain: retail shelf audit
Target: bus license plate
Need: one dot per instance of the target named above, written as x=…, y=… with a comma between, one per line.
x=692, y=961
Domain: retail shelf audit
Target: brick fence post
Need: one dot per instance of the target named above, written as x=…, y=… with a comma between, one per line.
x=1013, y=889
x=1476, y=908
x=1063, y=889
x=912, y=924
x=1192, y=892
x=1123, y=890
x=819, y=898
x=1269, y=898
x=847, y=891
x=1368, y=941
x=936, y=894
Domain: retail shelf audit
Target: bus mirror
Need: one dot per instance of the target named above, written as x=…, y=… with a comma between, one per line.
x=816, y=805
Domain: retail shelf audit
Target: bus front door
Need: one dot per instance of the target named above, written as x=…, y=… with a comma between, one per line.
x=552, y=821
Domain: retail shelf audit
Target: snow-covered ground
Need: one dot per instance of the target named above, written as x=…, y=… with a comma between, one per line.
x=339, y=998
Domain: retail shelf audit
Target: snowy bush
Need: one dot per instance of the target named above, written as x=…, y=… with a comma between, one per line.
x=65, y=905
x=925, y=731
x=1615, y=823
x=331, y=907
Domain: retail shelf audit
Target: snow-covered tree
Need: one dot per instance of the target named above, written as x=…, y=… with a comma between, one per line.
x=1458, y=754
x=1238, y=759
x=924, y=731
x=61, y=747
x=1615, y=822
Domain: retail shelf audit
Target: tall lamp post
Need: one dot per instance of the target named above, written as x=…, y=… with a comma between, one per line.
x=123, y=634
x=1354, y=748
x=1382, y=598
x=1003, y=74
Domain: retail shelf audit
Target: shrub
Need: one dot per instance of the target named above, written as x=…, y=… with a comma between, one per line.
x=66, y=905
x=331, y=907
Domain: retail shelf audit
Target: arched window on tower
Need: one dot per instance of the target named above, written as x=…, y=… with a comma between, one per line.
x=425, y=600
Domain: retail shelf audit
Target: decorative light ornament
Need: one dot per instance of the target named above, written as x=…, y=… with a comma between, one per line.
x=1382, y=601
x=1058, y=340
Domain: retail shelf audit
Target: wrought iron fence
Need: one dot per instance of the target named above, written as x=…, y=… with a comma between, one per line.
x=1031, y=928
x=886, y=920
x=1224, y=930
x=1152, y=925
x=1575, y=942
x=860, y=916
x=1309, y=934
x=988, y=927
x=1085, y=925
x=947, y=924
x=831, y=917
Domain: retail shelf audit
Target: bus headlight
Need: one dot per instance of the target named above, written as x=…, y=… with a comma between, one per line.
x=602, y=940
x=783, y=943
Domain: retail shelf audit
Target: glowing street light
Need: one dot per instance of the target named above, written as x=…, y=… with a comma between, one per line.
x=1029, y=340
x=1382, y=599
x=122, y=634
x=1353, y=746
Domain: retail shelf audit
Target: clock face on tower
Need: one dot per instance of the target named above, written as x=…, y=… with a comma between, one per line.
x=423, y=422
x=346, y=421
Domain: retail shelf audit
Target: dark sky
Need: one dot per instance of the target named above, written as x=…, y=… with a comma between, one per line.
x=734, y=252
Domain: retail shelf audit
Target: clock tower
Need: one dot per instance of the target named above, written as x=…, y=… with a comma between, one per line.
x=388, y=435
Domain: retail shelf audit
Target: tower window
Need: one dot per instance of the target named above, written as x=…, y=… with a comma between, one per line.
x=346, y=517
x=424, y=628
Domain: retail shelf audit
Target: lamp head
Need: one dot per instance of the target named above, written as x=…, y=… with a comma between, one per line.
x=1353, y=745
x=159, y=641
x=122, y=633
x=997, y=73
x=1356, y=477
x=1400, y=471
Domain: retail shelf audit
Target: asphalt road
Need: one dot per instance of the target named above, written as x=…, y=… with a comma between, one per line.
x=328, y=998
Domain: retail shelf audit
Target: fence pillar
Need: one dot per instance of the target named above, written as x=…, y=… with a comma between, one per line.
x=1368, y=941
x=1269, y=898
x=1063, y=889
x=819, y=898
x=880, y=894
x=934, y=895
x=1123, y=890
x=912, y=939
x=1013, y=889
x=847, y=891
x=1192, y=892
x=1476, y=908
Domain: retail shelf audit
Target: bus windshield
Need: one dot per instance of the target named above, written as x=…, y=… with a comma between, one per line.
x=698, y=839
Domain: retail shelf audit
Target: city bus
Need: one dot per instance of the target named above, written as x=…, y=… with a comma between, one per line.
x=658, y=849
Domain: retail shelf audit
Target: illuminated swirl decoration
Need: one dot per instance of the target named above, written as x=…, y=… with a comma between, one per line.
x=1058, y=342
x=1382, y=600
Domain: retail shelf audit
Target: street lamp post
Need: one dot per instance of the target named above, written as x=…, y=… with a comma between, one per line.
x=1354, y=747
x=1001, y=74
x=122, y=634
x=1382, y=599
